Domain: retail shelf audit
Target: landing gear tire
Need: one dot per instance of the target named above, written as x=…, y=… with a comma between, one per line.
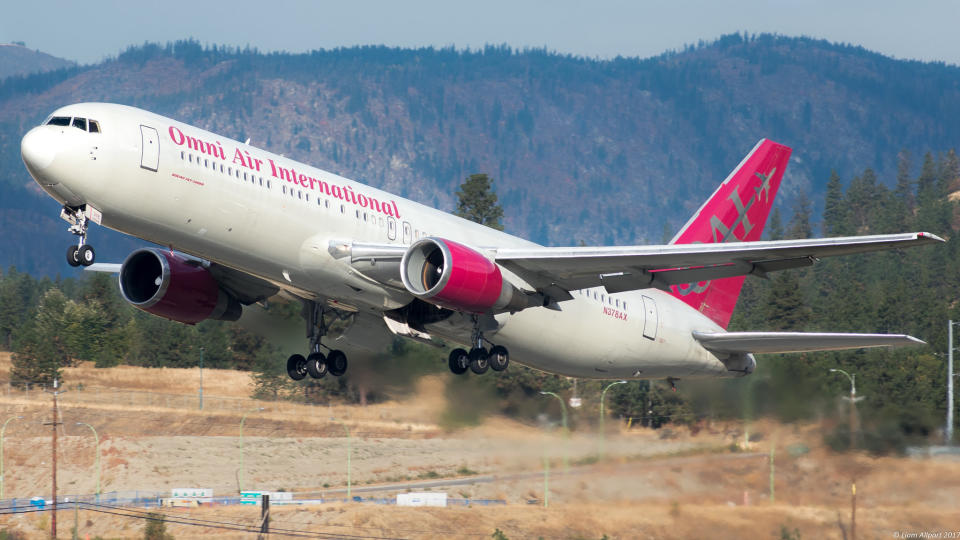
x=458, y=361
x=337, y=363
x=86, y=255
x=297, y=367
x=73, y=257
x=316, y=365
x=478, y=360
x=499, y=358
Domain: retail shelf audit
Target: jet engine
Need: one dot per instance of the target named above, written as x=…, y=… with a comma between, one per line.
x=457, y=277
x=175, y=287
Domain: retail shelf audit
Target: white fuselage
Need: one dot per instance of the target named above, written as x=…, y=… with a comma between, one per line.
x=242, y=207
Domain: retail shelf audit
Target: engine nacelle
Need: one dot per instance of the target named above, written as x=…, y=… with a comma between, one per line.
x=172, y=286
x=454, y=276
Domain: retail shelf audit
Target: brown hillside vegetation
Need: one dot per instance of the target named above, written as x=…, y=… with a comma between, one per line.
x=654, y=484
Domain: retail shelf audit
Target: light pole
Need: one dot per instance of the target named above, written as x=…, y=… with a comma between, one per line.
x=853, y=482
x=2, y=430
x=97, y=439
x=603, y=417
x=566, y=432
x=242, y=420
x=949, y=431
x=349, y=454
x=201, y=378
x=853, y=400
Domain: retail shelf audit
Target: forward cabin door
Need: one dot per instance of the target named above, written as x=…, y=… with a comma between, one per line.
x=150, y=148
x=650, y=319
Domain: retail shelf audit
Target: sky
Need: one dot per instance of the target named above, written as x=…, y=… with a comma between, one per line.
x=90, y=31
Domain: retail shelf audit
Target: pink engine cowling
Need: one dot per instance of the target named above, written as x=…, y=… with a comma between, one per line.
x=453, y=276
x=171, y=286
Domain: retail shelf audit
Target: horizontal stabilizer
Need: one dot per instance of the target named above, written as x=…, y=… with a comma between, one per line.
x=787, y=342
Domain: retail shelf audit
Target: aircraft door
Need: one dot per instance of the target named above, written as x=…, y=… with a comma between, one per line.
x=407, y=233
x=150, y=149
x=650, y=319
x=391, y=228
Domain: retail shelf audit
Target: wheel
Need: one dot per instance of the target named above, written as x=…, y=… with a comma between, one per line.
x=337, y=363
x=499, y=358
x=316, y=365
x=86, y=255
x=459, y=362
x=297, y=367
x=478, y=360
x=72, y=256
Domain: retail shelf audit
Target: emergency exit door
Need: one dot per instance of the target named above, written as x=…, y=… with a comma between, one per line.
x=650, y=319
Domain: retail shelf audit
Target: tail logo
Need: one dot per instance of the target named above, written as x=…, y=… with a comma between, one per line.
x=722, y=233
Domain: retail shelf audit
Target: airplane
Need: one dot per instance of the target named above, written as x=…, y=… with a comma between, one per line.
x=241, y=225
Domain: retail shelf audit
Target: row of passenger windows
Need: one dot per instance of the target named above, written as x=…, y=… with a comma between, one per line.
x=603, y=298
x=374, y=220
x=80, y=123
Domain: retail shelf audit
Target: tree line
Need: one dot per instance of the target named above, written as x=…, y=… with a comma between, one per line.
x=51, y=324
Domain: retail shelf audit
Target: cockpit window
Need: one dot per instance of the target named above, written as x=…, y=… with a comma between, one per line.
x=59, y=121
x=94, y=126
x=80, y=123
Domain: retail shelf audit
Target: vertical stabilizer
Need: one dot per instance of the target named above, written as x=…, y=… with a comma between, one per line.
x=736, y=212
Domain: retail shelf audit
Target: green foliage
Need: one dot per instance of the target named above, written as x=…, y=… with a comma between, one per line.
x=498, y=535
x=478, y=202
x=787, y=534
x=156, y=528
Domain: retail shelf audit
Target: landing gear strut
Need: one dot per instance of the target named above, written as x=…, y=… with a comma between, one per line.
x=82, y=253
x=316, y=364
x=479, y=360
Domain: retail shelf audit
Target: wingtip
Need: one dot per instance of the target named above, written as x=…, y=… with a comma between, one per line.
x=929, y=236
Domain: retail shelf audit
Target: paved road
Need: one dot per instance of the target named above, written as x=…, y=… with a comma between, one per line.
x=490, y=478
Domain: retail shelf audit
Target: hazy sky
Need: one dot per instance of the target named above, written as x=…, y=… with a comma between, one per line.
x=92, y=30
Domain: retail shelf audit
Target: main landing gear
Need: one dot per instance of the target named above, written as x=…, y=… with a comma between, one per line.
x=479, y=360
x=316, y=364
x=82, y=253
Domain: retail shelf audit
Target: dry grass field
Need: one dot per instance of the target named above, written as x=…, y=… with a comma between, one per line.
x=654, y=484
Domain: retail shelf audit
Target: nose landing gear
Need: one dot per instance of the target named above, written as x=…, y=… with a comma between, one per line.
x=82, y=253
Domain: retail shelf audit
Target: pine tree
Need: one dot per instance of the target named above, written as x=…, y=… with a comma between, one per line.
x=478, y=202
x=834, y=210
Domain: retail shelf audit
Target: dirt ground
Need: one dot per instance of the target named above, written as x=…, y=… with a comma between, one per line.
x=653, y=484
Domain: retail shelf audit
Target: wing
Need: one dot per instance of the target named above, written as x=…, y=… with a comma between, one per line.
x=790, y=342
x=556, y=271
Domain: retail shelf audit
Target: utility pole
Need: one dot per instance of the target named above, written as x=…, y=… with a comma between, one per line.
x=949, y=430
x=53, y=424
x=264, y=517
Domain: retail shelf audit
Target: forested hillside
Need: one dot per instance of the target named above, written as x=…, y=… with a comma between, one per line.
x=616, y=151
x=612, y=152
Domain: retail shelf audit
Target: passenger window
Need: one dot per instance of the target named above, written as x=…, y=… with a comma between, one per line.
x=284, y=189
x=183, y=156
x=59, y=121
x=80, y=123
x=94, y=126
x=206, y=162
x=244, y=177
x=618, y=302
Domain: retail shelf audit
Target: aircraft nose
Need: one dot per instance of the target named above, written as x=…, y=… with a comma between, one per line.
x=38, y=149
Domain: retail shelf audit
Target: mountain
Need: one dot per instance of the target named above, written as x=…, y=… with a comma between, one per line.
x=16, y=59
x=605, y=151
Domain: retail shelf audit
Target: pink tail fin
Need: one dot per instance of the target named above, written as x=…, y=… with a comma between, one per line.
x=736, y=212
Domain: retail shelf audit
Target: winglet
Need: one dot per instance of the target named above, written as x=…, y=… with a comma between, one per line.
x=736, y=212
